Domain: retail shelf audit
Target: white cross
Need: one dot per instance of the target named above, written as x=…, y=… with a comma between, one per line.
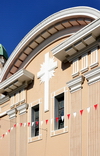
x=46, y=72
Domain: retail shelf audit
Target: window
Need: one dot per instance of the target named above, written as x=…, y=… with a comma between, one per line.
x=35, y=120
x=75, y=68
x=94, y=58
x=59, y=111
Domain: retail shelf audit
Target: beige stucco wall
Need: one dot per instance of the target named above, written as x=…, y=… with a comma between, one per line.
x=80, y=138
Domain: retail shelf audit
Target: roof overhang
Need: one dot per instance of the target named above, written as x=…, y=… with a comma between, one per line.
x=77, y=42
x=16, y=80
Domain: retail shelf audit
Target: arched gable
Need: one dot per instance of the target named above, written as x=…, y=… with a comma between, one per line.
x=60, y=24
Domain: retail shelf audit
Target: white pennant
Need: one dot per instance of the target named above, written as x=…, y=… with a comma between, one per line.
x=41, y=122
x=88, y=109
x=74, y=114
x=62, y=118
x=51, y=121
x=11, y=128
x=24, y=124
x=17, y=124
x=6, y=133
x=32, y=123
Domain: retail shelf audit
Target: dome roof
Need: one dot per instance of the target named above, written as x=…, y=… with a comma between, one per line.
x=3, y=52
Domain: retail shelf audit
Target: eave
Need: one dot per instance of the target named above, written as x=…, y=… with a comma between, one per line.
x=16, y=80
x=78, y=42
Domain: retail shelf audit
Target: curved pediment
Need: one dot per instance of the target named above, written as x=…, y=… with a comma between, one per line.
x=56, y=26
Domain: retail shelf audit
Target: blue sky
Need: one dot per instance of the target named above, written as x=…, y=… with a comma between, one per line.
x=18, y=17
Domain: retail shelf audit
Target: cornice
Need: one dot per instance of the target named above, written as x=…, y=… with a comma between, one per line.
x=86, y=35
x=93, y=75
x=22, y=108
x=67, y=13
x=16, y=80
x=75, y=84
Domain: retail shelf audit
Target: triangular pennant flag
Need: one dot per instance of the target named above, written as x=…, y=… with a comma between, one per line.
x=21, y=124
x=24, y=124
x=68, y=115
x=3, y=135
x=37, y=122
x=41, y=122
x=57, y=119
x=62, y=118
x=17, y=124
x=46, y=121
x=51, y=121
x=74, y=114
x=32, y=123
x=6, y=133
x=14, y=125
x=95, y=106
x=29, y=124
x=81, y=111
x=9, y=130
x=88, y=109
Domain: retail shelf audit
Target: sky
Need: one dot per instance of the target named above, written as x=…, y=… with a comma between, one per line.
x=18, y=17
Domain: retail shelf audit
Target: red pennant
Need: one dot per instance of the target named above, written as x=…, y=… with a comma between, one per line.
x=46, y=121
x=14, y=125
x=3, y=135
x=57, y=119
x=68, y=115
x=9, y=130
x=29, y=123
x=20, y=124
x=81, y=111
x=37, y=122
x=95, y=106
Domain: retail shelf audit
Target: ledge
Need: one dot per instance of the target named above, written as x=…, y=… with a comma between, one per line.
x=12, y=113
x=93, y=75
x=16, y=80
x=75, y=84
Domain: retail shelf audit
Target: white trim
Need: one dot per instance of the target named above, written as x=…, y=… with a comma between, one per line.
x=94, y=63
x=75, y=84
x=84, y=63
x=93, y=75
x=67, y=13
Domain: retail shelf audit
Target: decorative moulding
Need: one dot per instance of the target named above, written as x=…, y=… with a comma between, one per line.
x=22, y=108
x=75, y=84
x=75, y=74
x=93, y=75
x=84, y=69
x=12, y=113
x=94, y=65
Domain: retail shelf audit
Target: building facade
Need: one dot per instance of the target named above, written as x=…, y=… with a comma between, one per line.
x=50, y=86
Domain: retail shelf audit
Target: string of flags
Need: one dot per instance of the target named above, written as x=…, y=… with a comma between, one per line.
x=30, y=124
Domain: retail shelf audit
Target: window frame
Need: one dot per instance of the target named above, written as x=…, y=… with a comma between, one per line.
x=39, y=137
x=53, y=131
x=33, y=128
x=57, y=110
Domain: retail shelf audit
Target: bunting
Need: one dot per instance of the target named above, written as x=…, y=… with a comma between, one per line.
x=29, y=124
